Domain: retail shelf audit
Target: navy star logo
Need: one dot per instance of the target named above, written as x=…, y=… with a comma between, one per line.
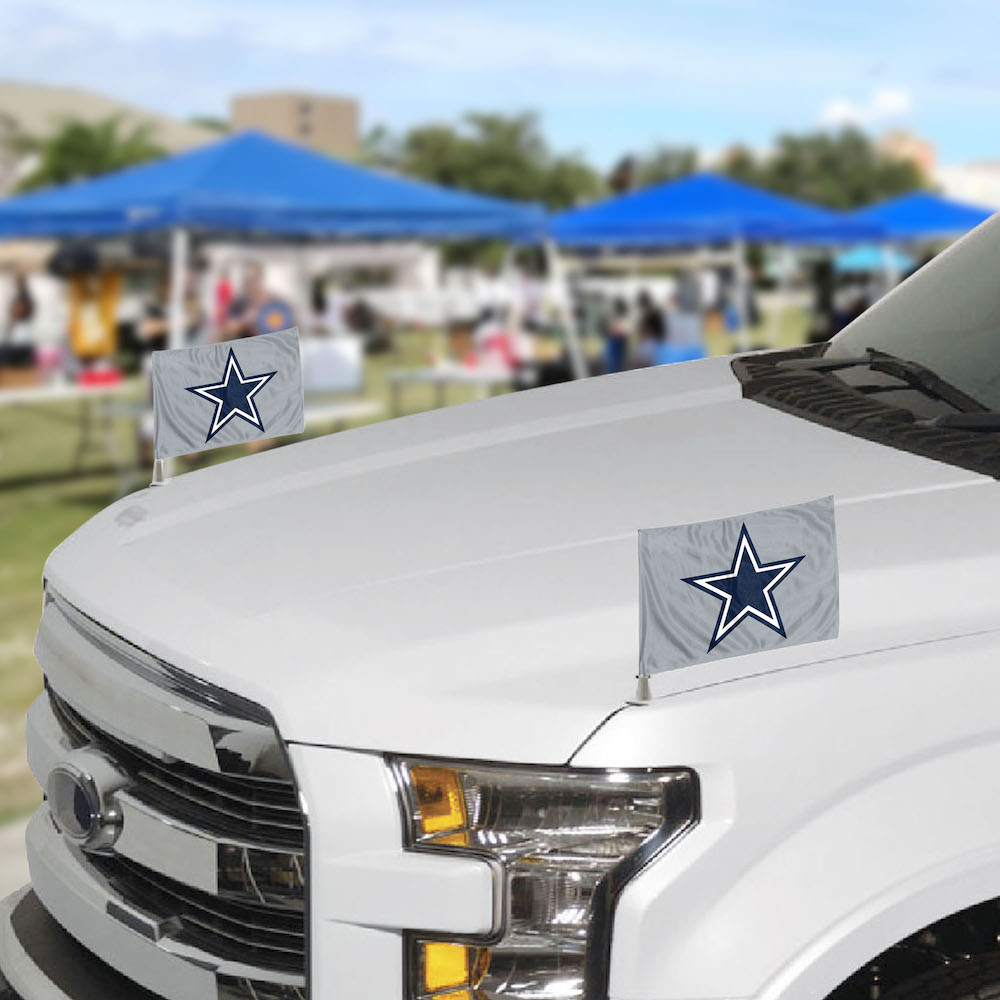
x=233, y=396
x=746, y=589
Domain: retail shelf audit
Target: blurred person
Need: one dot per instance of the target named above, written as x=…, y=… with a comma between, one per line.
x=256, y=310
x=685, y=335
x=531, y=300
x=335, y=309
x=824, y=308
x=616, y=334
x=223, y=301
x=253, y=312
x=668, y=336
x=153, y=330
x=652, y=331
x=363, y=319
x=688, y=295
x=318, y=303
x=652, y=325
x=709, y=288
x=652, y=343
x=20, y=314
x=741, y=304
x=495, y=343
x=751, y=310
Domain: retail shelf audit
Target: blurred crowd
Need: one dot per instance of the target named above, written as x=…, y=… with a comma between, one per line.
x=87, y=317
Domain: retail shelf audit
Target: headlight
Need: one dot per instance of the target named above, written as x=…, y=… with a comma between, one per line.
x=567, y=840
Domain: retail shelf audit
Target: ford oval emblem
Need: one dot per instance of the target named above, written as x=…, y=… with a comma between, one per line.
x=80, y=793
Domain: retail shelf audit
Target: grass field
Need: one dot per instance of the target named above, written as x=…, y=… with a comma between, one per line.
x=43, y=498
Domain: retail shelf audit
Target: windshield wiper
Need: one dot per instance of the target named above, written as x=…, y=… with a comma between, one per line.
x=912, y=373
x=986, y=420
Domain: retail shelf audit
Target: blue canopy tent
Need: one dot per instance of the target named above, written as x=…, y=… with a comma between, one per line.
x=870, y=257
x=251, y=183
x=922, y=215
x=703, y=208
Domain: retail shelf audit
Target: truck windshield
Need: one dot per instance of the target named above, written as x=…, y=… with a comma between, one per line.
x=945, y=318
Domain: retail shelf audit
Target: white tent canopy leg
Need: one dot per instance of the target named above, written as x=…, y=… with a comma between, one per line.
x=577, y=361
x=180, y=246
x=786, y=267
x=740, y=276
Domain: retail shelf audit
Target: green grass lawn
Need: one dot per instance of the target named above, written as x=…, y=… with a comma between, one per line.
x=43, y=498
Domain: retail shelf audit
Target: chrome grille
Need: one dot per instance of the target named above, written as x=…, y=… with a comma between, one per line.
x=205, y=776
x=232, y=988
x=252, y=808
x=257, y=935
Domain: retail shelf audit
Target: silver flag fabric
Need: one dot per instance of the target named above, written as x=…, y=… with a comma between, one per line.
x=737, y=585
x=227, y=393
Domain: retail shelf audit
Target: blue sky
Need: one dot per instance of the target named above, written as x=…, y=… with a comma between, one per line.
x=607, y=77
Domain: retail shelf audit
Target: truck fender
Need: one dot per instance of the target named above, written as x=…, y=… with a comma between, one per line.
x=818, y=845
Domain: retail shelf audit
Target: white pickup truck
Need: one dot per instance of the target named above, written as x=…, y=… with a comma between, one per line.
x=357, y=718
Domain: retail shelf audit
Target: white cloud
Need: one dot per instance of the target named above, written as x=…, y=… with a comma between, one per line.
x=884, y=106
x=891, y=102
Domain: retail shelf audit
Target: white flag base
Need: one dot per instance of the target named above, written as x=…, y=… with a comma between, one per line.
x=642, y=692
x=161, y=474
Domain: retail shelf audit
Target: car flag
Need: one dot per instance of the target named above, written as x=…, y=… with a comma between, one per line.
x=227, y=393
x=737, y=585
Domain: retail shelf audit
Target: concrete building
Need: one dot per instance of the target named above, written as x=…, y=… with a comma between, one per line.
x=324, y=122
x=977, y=183
x=899, y=145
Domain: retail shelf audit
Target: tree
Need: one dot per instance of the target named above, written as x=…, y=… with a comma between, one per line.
x=15, y=144
x=740, y=163
x=665, y=163
x=570, y=181
x=840, y=170
x=380, y=147
x=80, y=149
x=501, y=155
x=621, y=180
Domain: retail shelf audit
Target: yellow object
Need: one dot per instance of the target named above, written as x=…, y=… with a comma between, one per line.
x=450, y=967
x=446, y=966
x=93, y=313
x=439, y=798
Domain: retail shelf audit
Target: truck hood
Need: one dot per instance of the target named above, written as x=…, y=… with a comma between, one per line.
x=463, y=582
